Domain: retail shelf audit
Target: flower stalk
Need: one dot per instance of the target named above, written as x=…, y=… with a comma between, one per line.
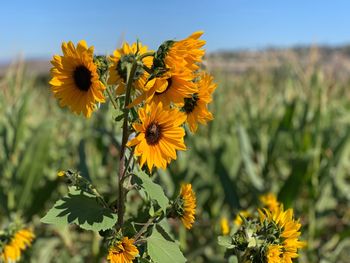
x=150, y=88
x=131, y=69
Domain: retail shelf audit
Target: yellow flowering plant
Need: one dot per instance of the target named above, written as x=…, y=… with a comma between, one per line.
x=270, y=235
x=15, y=239
x=156, y=95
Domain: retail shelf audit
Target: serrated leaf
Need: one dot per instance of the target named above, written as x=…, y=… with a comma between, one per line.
x=164, y=225
x=82, y=209
x=154, y=190
x=162, y=250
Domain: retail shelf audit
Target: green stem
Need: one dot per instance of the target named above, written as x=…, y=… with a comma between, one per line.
x=131, y=69
x=157, y=215
x=148, y=70
x=110, y=95
x=144, y=228
x=128, y=161
x=147, y=54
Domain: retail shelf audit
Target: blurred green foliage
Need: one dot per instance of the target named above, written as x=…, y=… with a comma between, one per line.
x=284, y=131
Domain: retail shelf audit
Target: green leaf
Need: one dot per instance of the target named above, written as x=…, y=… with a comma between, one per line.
x=247, y=156
x=164, y=226
x=154, y=190
x=295, y=182
x=82, y=209
x=33, y=161
x=225, y=241
x=232, y=259
x=162, y=250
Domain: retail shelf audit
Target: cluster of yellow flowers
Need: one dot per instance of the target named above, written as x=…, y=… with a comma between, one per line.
x=11, y=250
x=285, y=248
x=283, y=230
x=168, y=86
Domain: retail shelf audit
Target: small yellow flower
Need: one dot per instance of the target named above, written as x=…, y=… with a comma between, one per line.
x=273, y=254
x=186, y=53
x=196, y=107
x=188, y=199
x=19, y=242
x=123, y=251
x=289, y=228
x=159, y=135
x=238, y=220
x=270, y=201
x=61, y=173
x=75, y=81
x=225, y=228
x=171, y=88
x=118, y=72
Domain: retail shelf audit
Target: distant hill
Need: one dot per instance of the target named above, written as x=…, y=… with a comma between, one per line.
x=334, y=61
x=32, y=66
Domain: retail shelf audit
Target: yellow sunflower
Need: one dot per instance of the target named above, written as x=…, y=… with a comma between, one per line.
x=238, y=220
x=270, y=201
x=118, y=71
x=188, y=200
x=75, y=81
x=171, y=88
x=196, y=107
x=273, y=254
x=289, y=229
x=186, y=53
x=18, y=243
x=123, y=251
x=159, y=135
x=225, y=228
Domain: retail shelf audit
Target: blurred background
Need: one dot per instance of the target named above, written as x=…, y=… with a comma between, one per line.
x=282, y=121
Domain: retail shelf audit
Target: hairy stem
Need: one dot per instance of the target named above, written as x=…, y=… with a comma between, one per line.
x=131, y=156
x=147, y=54
x=131, y=69
x=110, y=95
x=144, y=228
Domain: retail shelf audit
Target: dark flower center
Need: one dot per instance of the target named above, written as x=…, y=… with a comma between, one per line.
x=170, y=82
x=190, y=103
x=82, y=78
x=153, y=133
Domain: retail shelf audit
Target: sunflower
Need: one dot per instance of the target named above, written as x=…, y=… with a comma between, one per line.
x=123, y=251
x=75, y=81
x=270, y=201
x=273, y=254
x=159, y=135
x=196, y=107
x=118, y=69
x=225, y=228
x=288, y=229
x=238, y=220
x=17, y=244
x=171, y=88
x=186, y=53
x=188, y=201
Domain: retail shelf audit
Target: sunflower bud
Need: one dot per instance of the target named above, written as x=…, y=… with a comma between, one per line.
x=102, y=65
x=184, y=207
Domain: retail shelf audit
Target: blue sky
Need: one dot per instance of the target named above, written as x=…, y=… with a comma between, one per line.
x=36, y=29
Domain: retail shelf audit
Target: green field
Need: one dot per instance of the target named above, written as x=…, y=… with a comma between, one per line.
x=284, y=130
